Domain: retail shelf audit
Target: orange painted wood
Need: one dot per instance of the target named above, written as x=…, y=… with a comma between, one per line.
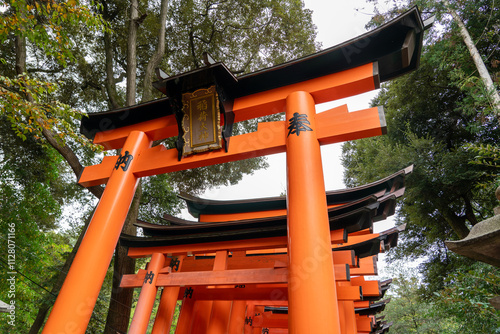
x=369, y=288
x=265, y=261
x=268, y=302
x=268, y=139
x=348, y=293
x=232, y=277
x=263, y=243
x=166, y=308
x=364, y=323
x=248, y=262
x=77, y=297
x=362, y=304
x=263, y=292
x=98, y=174
x=345, y=256
x=247, y=293
x=237, y=319
x=184, y=323
x=350, y=317
x=142, y=313
x=341, y=129
x=356, y=239
x=342, y=317
x=238, y=307
x=224, y=217
x=337, y=236
x=367, y=266
x=324, y=89
x=278, y=330
x=270, y=320
x=311, y=282
x=248, y=329
x=219, y=318
x=201, y=316
x=156, y=129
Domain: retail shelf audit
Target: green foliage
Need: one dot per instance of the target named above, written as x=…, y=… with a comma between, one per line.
x=30, y=107
x=49, y=25
x=247, y=35
x=408, y=312
x=440, y=120
x=38, y=257
x=465, y=299
x=486, y=154
x=461, y=307
x=158, y=197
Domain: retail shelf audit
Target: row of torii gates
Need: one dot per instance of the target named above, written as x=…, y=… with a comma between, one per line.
x=271, y=265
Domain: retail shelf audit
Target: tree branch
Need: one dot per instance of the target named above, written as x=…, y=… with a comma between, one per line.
x=70, y=156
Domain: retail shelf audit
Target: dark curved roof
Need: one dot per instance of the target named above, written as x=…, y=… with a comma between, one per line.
x=395, y=46
x=350, y=217
x=393, y=184
x=357, y=210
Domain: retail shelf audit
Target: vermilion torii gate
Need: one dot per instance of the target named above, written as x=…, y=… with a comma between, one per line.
x=239, y=247
x=194, y=103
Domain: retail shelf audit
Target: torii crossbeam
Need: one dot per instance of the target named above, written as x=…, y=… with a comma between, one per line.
x=349, y=69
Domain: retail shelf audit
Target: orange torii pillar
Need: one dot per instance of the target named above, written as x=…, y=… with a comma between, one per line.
x=147, y=297
x=221, y=309
x=168, y=301
x=312, y=291
x=75, y=302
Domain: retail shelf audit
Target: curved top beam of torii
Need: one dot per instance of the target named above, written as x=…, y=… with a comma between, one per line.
x=349, y=69
x=390, y=50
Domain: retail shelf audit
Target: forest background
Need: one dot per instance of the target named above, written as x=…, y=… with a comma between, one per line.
x=60, y=60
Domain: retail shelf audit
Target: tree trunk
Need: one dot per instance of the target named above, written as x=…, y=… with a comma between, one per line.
x=110, y=82
x=20, y=45
x=456, y=223
x=132, y=53
x=493, y=95
x=157, y=56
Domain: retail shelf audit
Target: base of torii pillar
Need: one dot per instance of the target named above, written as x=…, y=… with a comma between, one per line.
x=311, y=283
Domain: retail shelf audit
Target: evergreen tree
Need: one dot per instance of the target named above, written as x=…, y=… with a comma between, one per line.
x=434, y=116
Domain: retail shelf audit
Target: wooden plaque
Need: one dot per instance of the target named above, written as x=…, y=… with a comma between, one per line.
x=201, y=121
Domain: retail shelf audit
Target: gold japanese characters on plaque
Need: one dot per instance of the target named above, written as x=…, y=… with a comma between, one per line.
x=201, y=121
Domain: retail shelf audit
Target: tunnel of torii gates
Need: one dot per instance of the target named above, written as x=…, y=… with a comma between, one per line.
x=270, y=265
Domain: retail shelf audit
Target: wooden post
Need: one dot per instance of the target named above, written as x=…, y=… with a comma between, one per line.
x=201, y=316
x=237, y=320
x=311, y=284
x=166, y=309
x=165, y=313
x=75, y=302
x=184, y=323
x=238, y=307
x=147, y=296
x=219, y=319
